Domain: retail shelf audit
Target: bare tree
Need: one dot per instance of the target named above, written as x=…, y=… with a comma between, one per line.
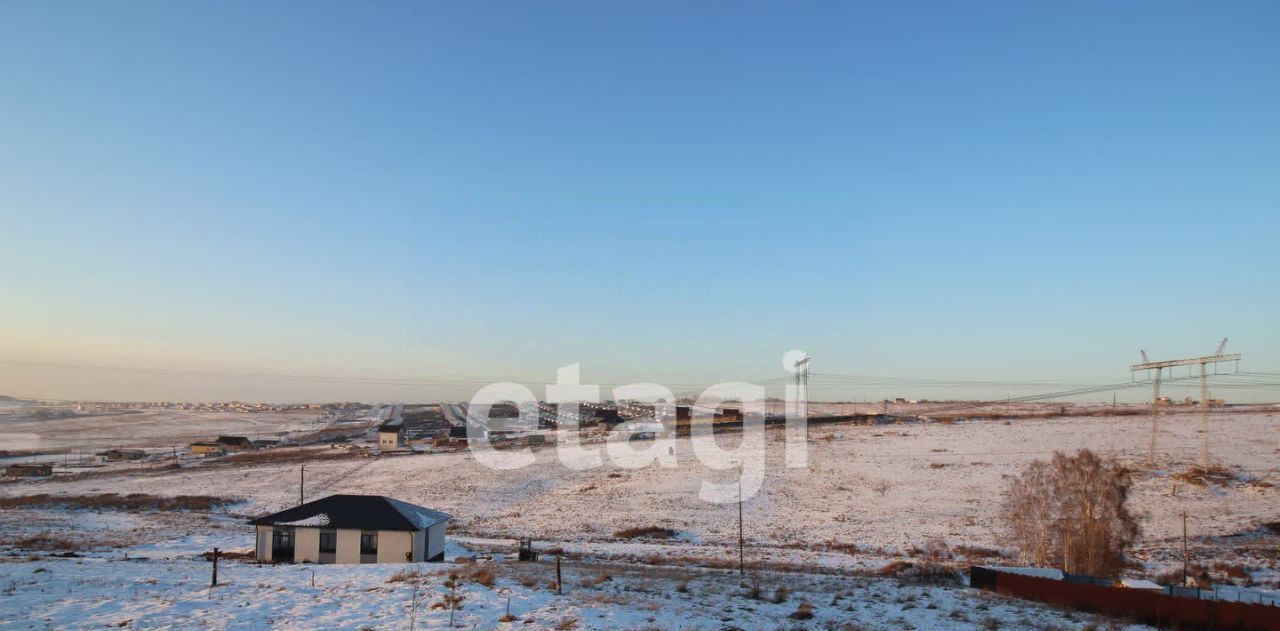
x=1072, y=513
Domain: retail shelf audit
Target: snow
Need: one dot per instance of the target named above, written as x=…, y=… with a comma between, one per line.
x=420, y=516
x=315, y=521
x=145, y=593
x=1137, y=583
x=1037, y=572
x=881, y=487
x=869, y=495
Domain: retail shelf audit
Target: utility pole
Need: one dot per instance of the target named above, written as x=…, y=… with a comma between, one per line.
x=742, y=571
x=1184, y=548
x=1147, y=365
x=302, y=485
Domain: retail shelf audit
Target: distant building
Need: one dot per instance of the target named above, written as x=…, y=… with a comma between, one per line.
x=235, y=443
x=208, y=448
x=119, y=455
x=352, y=529
x=391, y=435
x=28, y=470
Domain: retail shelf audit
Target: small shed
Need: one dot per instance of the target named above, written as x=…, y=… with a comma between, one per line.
x=28, y=470
x=208, y=448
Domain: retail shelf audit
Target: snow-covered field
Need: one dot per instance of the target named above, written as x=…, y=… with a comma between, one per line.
x=145, y=428
x=146, y=592
x=875, y=486
x=869, y=495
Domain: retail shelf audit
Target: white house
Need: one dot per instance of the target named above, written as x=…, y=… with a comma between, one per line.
x=352, y=529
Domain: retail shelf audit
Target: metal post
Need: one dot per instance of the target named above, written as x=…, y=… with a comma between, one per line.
x=1204, y=416
x=1155, y=416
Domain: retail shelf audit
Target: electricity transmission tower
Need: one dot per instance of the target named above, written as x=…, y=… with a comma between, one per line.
x=1203, y=361
x=802, y=387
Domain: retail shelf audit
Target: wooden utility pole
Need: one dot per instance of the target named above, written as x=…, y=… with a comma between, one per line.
x=302, y=485
x=1184, y=548
x=214, y=582
x=741, y=554
x=559, y=579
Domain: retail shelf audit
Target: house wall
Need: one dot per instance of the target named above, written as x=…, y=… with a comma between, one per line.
x=394, y=545
x=264, y=543
x=419, y=546
x=306, y=545
x=348, y=546
x=388, y=440
x=435, y=542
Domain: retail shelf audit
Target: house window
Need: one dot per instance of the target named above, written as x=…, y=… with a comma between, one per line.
x=282, y=544
x=328, y=541
x=368, y=543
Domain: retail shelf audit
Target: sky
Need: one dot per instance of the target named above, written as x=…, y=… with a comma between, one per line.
x=300, y=201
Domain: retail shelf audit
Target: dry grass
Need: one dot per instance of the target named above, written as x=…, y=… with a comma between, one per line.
x=1204, y=476
x=1232, y=571
x=46, y=541
x=977, y=552
x=646, y=532
x=405, y=576
x=894, y=568
x=479, y=573
x=803, y=612
x=115, y=501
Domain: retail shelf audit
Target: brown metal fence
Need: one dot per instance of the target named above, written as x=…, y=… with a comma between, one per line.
x=1145, y=606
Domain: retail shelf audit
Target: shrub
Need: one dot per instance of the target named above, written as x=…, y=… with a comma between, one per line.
x=803, y=612
x=1077, y=504
x=404, y=576
x=648, y=532
x=479, y=573
x=894, y=568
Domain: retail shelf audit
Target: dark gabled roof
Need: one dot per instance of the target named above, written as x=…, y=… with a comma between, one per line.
x=233, y=440
x=364, y=512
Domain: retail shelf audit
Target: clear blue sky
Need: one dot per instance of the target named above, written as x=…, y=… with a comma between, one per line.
x=677, y=192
